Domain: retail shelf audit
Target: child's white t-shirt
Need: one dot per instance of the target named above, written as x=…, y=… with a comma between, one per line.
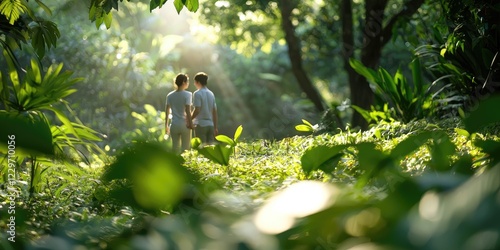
x=205, y=99
x=178, y=101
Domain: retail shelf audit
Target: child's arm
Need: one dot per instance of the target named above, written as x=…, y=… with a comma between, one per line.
x=189, y=122
x=197, y=109
x=195, y=112
x=167, y=114
x=214, y=118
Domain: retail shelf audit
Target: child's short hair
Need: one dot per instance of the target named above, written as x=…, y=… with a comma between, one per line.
x=180, y=79
x=202, y=78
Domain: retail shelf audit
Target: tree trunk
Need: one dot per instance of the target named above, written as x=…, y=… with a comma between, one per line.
x=356, y=87
x=361, y=93
x=375, y=36
x=295, y=54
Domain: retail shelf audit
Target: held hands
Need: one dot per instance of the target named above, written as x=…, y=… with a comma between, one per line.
x=189, y=125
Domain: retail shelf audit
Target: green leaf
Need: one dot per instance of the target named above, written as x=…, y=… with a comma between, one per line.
x=93, y=13
x=304, y=128
x=178, y=5
x=410, y=144
x=150, y=109
x=217, y=153
x=371, y=160
x=13, y=10
x=44, y=35
x=86, y=133
x=441, y=150
x=156, y=4
x=315, y=158
x=195, y=142
x=307, y=123
x=492, y=148
x=27, y=132
x=464, y=165
x=416, y=71
x=389, y=85
x=378, y=134
x=44, y=7
x=237, y=133
x=368, y=156
x=485, y=114
x=34, y=75
x=225, y=139
x=365, y=113
x=64, y=119
x=461, y=113
x=13, y=74
x=158, y=175
x=462, y=132
x=368, y=73
x=108, y=18
x=192, y=5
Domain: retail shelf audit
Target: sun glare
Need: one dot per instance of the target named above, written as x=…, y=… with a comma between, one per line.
x=185, y=28
x=299, y=200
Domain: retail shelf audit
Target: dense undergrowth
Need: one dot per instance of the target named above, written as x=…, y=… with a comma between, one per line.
x=230, y=207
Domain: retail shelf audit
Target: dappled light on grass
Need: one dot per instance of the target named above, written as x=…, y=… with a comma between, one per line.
x=279, y=213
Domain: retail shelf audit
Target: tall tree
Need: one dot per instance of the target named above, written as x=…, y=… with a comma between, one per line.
x=294, y=53
x=376, y=29
x=375, y=37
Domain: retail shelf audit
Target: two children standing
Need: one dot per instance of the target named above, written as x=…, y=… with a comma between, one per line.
x=203, y=119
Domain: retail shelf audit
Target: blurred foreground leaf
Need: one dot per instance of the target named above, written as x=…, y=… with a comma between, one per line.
x=29, y=132
x=157, y=176
x=486, y=113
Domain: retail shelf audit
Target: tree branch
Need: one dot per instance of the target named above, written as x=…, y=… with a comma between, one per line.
x=408, y=10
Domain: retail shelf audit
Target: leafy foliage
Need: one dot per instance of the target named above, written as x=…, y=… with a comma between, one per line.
x=22, y=24
x=31, y=133
x=100, y=11
x=410, y=101
x=218, y=153
x=29, y=99
x=154, y=177
x=464, y=58
x=44, y=35
x=324, y=211
x=376, y=116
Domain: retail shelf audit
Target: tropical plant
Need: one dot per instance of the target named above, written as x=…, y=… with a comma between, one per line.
x=31, y=104
x=306, y=126
x=464, y=61
x=19, y=25
x=221, y=152
x=149, y=127
x=410, y=101
x=375, y=115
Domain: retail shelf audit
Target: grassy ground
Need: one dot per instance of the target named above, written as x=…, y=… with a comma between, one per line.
x=76, y=210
